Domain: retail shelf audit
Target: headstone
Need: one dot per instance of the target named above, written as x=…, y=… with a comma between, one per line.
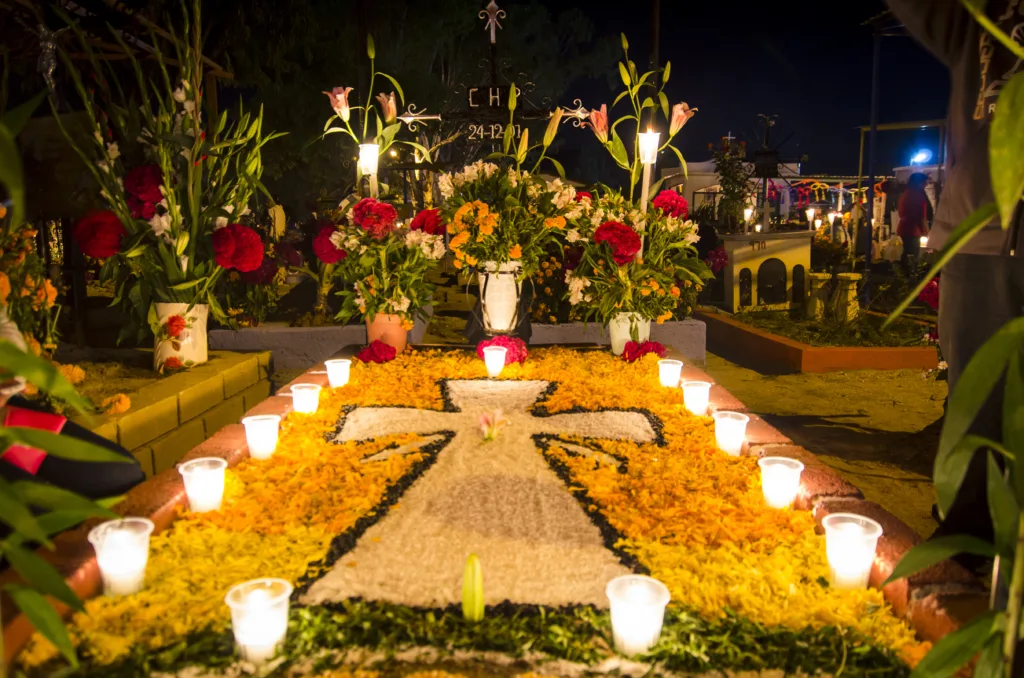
x=849, y=302
x=817, y=299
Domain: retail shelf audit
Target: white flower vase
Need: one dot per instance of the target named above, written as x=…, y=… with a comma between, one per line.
x=620, y=330
x=499, y=296
x=180, y=336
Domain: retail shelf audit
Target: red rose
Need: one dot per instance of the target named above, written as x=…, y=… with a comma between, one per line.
x=172, y=363
x=238, y=247
x=175, y=326
x=633, y=351
x=141, y=209
x=930, y=294
x=263, y=274
x=515, y=348
x=377, y=352
x=623, y=241
x=325, y=249
x=672, y=204
x=428, y=221
x=99, y=234
x=144, y=183
x=375, y=217
x=584, y=195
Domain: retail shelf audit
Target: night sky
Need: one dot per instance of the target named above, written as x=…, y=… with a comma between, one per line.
x=806, y=63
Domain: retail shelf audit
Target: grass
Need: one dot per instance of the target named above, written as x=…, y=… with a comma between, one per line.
x=865, y=330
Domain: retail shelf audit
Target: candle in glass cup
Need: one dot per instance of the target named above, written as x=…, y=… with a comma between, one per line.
x=731, y=431
x=850, y=543
x=261, y=432
x=306, y=398
x=638, y=611
x=259, y=617
x=780, y=480
x=338, y=371
x=696, y=395
x=122, y=551
x=204, y=483
x=494, y=358
x=669, y=372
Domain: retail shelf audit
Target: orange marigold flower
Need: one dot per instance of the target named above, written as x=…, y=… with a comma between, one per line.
x=471, y=260
x=3, y=211
x=555, y=222
x=674, y=291
x=408, y=324
x=50, y=293
x=667, y=315
x=653, y=284
x=516, y=252
x=116, y=404
x=73, y=373
x=645, y=292
x=5, y=288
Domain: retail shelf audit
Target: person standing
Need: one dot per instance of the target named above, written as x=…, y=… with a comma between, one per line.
x=982, y=286
x=913, y=210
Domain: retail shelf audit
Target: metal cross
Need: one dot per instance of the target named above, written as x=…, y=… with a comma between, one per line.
x=729, y=137
x=492, y=13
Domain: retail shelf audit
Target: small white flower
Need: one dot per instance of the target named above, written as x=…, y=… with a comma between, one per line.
x=576, y=287
x=573, y=236
x=402, y=305
x=189, y=106
x=351, y=242
x=179, y=95
x=98, y=137
x=446, y=186
x=362, y=249
x=160, y=223
x=113, y=152
x=219, y=223
x=230, y=209
x=244, y=212
x=184, y=263
x=103, y=166
x=338, y=240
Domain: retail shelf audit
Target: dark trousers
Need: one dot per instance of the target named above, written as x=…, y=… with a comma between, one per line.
x=911, y=252
x=978, y=295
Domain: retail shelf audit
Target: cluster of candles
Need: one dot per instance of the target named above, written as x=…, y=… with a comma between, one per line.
x=259, y=608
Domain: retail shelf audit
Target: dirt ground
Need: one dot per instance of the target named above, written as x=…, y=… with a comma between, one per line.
x=879, y=429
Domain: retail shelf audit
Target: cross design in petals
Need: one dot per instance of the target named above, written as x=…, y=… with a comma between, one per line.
x=497, y=499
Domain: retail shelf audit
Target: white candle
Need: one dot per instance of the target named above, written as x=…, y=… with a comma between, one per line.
x=649, y=147
x=850, y=543
x=669, y=372
x=261, y=434
x=305, y=398
x=780, y=480
x=122, y=551
x=369, y=156
x=817, y=224
x=730, y=431
x=810, y=214
x=259, y=617
x=924, y=241
x=204, y=483
x=338, y=372
x=747, y=213
x=695, y=397
x=638, y=611
x=757, y=228
x=494, y=358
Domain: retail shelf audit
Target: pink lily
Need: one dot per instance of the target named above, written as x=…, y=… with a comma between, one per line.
x=339, y=101
x=598, y=121
x=387, y=104
x=681, y=114
x=491, y=423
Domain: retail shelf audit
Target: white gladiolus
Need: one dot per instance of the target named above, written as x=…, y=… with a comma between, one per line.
x=220, y=223
x=160, y=223
x=400, y=306
x=113, y=151
x=576, y=287
x=179, y=95
x=444, y=182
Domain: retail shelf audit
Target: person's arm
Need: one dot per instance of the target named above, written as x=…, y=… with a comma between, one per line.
x=939, y=25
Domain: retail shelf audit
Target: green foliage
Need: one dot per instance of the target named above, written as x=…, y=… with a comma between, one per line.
x=729, y=158
x=473, y=590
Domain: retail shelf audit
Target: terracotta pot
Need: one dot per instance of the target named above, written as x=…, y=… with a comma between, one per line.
x=387, y=328
x=189, y=347
x=499, y=296
x=621, y=330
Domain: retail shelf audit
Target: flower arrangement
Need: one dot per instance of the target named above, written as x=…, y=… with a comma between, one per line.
x=636, y=350
x=717, y=259
x=173, y=181
x=515, y=348
x=377, y=352
x=28, y=299
x=383, y=263
x=631, y=262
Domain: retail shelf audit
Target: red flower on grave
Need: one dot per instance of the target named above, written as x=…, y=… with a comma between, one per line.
x=515, y=348
x=623, y=241
x=672, y=204
x=633, y=351
x=172, y=363
x=263, y=274
x=141, y=209
x=375, y=217
x=325, y=249
x=717, y=259
x=175, y=326
x=930, y=294
x=238, y=247
x=99, y=234
x=144, y=182
x=428, y=221
x=584, y=195
x=377, y=352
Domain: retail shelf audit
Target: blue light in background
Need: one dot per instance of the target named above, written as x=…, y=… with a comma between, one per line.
x=921, y=157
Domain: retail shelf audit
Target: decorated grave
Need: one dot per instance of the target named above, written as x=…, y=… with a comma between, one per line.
x=562, y=473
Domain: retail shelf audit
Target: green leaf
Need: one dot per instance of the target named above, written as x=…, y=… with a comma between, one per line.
x=187, y=285
x=16, y=118
x=618, y=151
x=57, y=445
x=1006, y=148
x=54, y=498
x=624, y=75
x=990, y=661
x=937, y=550
x=1003, y=508
x=40, y=575
x=17, y=515
x=974, y=222
x=983, y=372
x=1013, y=419
x=951, y=467
x=558, y=167
x=663, y=100
x=371, y=50
x=40, y=373
x=425, y=152
x=398, y=88
x=44, y=618
x=957, y=648
x=682, y=162
x=389, y=133
x=665, y=73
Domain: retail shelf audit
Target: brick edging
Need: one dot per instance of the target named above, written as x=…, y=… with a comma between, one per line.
x=935, y=602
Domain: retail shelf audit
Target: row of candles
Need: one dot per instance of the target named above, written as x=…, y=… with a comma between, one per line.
x=259, y=608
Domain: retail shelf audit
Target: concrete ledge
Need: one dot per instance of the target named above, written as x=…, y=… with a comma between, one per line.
x=291, y=347
x=685, y=336
x=771, y=353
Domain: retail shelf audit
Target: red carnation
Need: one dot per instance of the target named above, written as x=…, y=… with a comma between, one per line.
x=377, y=352
x=633, y=351
x=428, y=221
x=144, y=182
x=175, y=326
x=141, y=209
x=717, y=259
x=672, y=204
x=172, y=363
x=99, y=234
x=325, y=249
x=584, y=195
x=623, y=241
x=238, y=247
x=375, y=217
x=515, y=348
x=262, y=274
x=930, y=294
